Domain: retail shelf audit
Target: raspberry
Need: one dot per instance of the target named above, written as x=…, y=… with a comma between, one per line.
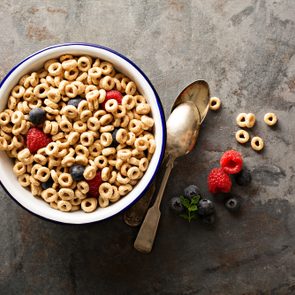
x=37, y=139
x=112, y=94
x=219, y=181
x=231, y=162
x=94, y=185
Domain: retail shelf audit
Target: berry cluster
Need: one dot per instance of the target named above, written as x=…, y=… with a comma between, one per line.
x=219, y=180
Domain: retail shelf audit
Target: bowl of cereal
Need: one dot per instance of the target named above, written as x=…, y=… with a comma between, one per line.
x=82, y=133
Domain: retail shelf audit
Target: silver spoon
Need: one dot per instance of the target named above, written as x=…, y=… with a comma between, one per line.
x=182, y=130
x=197, y=92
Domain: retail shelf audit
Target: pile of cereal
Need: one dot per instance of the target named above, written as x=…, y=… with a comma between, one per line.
x=80, y=133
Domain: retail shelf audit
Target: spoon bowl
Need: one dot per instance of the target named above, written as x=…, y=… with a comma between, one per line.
x=182, y=129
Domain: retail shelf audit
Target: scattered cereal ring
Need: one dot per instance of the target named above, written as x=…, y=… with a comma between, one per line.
x=242, y=120
x=257, y=143
x=214, y=103
x=270, y=119
x=250, y=120
x=242, y=136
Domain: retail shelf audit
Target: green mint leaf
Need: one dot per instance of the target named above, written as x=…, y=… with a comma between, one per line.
x=195, y=199
x=193, y=208
x=184, y=201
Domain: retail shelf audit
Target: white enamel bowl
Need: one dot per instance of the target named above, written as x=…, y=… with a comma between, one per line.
x=34, y=62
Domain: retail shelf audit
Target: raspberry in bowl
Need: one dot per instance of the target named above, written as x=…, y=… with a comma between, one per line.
x=82, y=133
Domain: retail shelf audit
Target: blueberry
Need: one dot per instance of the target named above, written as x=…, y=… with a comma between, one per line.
x=191, y=191
x=233, y=204
x=243, y=177
x=47, y=184
x=175, y=205
x=75, y=101
x=205, y=207
x=115, y=143
x=209, y=219
x=77, y=172
x=37, y=116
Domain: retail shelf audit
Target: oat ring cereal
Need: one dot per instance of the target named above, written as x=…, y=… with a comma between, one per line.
x=79, y=133
x=257, y=143
x=270, y=119
x=214, y=103
x=242, y=136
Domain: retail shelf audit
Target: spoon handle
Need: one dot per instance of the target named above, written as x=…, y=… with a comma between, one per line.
x=147, y=233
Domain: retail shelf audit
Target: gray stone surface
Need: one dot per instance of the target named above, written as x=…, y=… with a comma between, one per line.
x=246, y=51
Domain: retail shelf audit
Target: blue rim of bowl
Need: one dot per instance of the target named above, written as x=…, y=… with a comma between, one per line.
x=160, y=107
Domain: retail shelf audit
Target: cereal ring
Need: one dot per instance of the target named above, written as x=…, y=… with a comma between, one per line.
x=130, y=88
x=106, y=173
x=79, y=195
x=42, y=174
x=81, y=150
x=87, y=139
x=65, y=125
x=89, y=204
x=41, y=90
x=17, y=117
x=128, y=102
x=83, y=187
x=116, y=196
x=40, y=159
x=19, y=168
x=214, y=103
x=135, y=126
x=105, y=190
x=106, y=139
x=121, y=179
x=95, y=149
x=18, y=91
x=64, y=206
x=103, y=202
x=3, y=144
x=143, y=109
x=141, y=144
x=76, y=201
x=120, y=112
x=250, y=120
x=242, y=136
x=52, y=149
x=65, y=57
x=100, y=162
x=79, y=126
x=24, y=180
x=4, y=118
x=124, y=189
x=69, y=64
x=133, y=173
x=143, y=164
x=242, y=120
x=81, y=160
x=49, y=195
x=108, y=151
x=55, y=69
x=71, y=74
x=84, y=63
x=73, y=137
x=257, y=143
x=65, y=180
x=106, y=67
x=93, y=124
x=111, y=105
x=147, y=121
x=107, y=128
x=106, y=119
x=89, y=172
x=66, y=194
x=124, y=154
x=270, y=119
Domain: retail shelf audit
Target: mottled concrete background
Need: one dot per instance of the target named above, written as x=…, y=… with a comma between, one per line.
x=246, y=51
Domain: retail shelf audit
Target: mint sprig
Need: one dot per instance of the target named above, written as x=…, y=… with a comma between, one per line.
x=190, y=206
